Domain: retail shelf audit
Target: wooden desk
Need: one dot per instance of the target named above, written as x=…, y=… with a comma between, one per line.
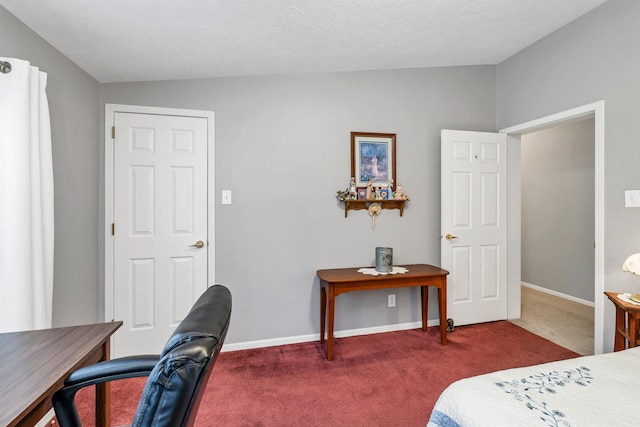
x=34, y=365
x=338, y=281
x=627, y=316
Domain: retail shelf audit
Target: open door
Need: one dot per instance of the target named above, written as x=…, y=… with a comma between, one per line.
x=473, y=224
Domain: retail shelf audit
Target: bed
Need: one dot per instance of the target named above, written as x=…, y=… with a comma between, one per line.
x=599, y=390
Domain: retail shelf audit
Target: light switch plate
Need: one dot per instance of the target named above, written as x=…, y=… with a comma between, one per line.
x=632, y=198
x=226, y=197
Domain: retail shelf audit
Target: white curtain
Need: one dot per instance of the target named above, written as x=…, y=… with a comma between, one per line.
x=26, y=200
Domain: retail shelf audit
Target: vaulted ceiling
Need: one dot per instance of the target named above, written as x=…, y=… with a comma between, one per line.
x=139, y=40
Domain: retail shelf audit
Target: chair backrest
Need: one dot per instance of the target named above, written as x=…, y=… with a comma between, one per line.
x=175, y=386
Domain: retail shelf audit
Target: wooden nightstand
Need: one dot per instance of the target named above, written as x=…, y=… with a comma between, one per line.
x=627, y=317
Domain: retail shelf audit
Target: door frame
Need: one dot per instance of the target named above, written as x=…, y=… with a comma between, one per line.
x=109, y=119
x=596, y=110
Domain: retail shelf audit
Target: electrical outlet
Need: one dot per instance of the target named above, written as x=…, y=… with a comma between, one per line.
x=391, y=300
x=226, y=197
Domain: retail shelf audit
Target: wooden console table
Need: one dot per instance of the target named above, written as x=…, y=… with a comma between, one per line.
x=338, y=281
x=627, y=317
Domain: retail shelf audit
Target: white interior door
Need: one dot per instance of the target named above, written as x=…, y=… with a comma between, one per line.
x=160, y=215
x=473, y=224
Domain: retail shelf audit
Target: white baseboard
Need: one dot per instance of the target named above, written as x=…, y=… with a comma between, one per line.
x=558, y=294
x=315, y=337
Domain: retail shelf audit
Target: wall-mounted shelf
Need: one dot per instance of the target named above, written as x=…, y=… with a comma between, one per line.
x=364, y=204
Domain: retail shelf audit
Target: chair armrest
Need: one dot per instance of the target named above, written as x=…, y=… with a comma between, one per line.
x=111, y=370
x=101, y=372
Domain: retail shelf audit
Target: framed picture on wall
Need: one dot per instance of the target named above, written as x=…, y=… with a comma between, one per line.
x=373, y=157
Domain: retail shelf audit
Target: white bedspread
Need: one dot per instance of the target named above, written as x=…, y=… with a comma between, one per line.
x=601, y=390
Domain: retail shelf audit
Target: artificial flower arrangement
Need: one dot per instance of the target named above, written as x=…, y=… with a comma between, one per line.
x=346, y=195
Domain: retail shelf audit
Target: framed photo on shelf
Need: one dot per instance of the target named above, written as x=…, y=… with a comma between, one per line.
x=373, y=157
x=362, y=193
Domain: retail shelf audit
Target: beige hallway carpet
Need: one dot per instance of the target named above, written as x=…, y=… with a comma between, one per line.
x=564, y=322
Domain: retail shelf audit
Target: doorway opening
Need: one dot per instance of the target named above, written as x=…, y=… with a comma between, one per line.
x=515, y=133
x=557, y=175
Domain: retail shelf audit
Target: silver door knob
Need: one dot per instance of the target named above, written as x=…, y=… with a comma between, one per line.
x=199, y=244
x=450, y=237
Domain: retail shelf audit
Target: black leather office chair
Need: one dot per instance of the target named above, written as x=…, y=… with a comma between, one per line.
x=177, y=377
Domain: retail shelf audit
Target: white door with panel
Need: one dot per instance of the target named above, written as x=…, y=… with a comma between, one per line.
x=160, y=223
x=473, y=225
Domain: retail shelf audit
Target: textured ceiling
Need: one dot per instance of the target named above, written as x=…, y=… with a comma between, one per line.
x=135, y=40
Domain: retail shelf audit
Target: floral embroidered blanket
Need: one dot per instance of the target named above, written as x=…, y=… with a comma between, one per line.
x=599, y=390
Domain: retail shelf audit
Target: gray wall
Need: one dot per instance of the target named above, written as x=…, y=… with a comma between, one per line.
x=73, y=104
x=284, y=138
x=283, y=148
x=557, y=208
x=593, y=58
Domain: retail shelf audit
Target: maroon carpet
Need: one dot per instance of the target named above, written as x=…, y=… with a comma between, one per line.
x=389, y=379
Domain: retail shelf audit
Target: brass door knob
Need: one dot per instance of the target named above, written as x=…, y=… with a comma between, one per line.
x=199, y=244
x=450, y=237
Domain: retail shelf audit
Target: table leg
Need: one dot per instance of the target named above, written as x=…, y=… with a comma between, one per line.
x=332, y=307
x=633, y=329
x=424, y=294
x=442, y=308
x=323, y=312
x=103, y=394
x=618, y=343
